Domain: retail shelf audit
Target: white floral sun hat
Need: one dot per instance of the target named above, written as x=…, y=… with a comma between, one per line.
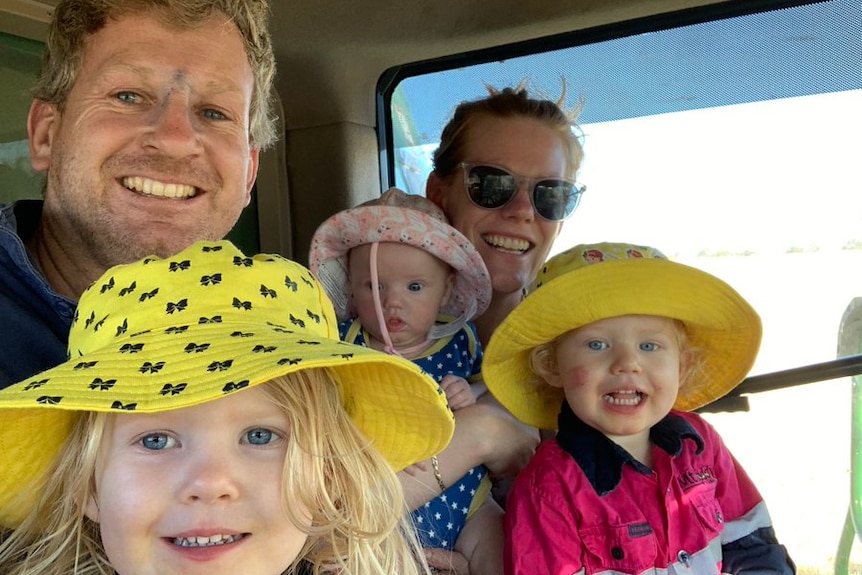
x=401, y=218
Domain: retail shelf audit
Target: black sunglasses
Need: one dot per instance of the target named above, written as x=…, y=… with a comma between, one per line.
x=491, y=187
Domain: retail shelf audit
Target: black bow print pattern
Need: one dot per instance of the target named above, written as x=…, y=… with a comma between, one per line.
x=180, y=266
x=175, y=355
x=196, y=348
x=177, y=306
x=129, y=289
x=210, y=280
x=148, y=295
x=102, y=384
x=171, y=389
x=108, y=285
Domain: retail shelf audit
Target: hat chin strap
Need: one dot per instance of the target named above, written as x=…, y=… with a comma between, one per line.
x=441, y=330
x=378, y=309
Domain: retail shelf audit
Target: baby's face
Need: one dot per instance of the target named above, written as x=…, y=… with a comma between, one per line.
x=620, y=375
x=413, y=286
x=197, y=490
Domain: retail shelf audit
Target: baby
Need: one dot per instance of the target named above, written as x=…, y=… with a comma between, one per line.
x=406, y=282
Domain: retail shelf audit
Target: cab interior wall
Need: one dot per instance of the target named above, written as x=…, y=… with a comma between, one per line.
x=329, y=68
x=331, y=55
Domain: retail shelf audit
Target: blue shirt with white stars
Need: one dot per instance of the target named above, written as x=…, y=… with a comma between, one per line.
x=440, y=521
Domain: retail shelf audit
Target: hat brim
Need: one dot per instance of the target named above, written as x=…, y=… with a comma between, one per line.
x=720, y=324
x=385, y=395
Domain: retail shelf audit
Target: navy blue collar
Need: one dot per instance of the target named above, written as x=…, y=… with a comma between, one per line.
x=602, y=460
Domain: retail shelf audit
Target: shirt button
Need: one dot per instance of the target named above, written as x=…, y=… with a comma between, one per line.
x=617, y=553
x=684, y=558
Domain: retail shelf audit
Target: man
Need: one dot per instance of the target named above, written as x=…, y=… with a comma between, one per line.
x=148, y=119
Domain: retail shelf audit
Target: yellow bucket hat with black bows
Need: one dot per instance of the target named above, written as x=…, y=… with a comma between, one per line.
x=163, y=334
x=591, y=282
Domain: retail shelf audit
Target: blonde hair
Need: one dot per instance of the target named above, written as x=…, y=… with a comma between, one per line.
x=508, y=103
x=56, y=537
x=75, y=20
x=359, y=525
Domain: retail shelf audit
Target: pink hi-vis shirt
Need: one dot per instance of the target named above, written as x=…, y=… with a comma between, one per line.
x=584, y=506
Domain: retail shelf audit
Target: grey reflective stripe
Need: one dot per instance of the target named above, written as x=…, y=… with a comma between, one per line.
x=703, y=562
x=612, y=572
x=755, y=519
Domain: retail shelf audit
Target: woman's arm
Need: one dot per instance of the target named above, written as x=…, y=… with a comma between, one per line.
x=484, y=434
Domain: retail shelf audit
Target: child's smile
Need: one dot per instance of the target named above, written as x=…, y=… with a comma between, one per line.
x=197, y=490
x=628, y=397
x=620, y=375
x=206, y=549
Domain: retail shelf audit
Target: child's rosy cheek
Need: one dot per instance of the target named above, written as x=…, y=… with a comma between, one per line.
x=579, y=376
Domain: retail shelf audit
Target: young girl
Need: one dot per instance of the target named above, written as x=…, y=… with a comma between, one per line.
x=210, y=421
x=614, y=347
x=405, y=282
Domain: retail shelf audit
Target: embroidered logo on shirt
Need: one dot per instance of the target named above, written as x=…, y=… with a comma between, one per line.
x=694, y=477
x=639, y=530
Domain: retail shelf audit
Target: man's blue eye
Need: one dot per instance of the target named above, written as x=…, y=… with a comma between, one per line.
x=259, y=436
x=213, y=115
x=128, y=97
x=155, y=441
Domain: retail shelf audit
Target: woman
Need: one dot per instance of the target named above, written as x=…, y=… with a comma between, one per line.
x=500, y=159
x=504, y=177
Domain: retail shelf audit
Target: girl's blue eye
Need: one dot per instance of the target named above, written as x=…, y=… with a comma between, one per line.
x=596, y=344
x=259, y=436
x=649, y=346
x=415, y=286
x=156, y=441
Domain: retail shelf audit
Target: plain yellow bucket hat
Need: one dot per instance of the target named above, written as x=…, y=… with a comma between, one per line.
x=590, y=282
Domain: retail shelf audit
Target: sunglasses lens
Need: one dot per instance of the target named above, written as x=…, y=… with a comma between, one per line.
x=555, y=200
x=490, y=187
